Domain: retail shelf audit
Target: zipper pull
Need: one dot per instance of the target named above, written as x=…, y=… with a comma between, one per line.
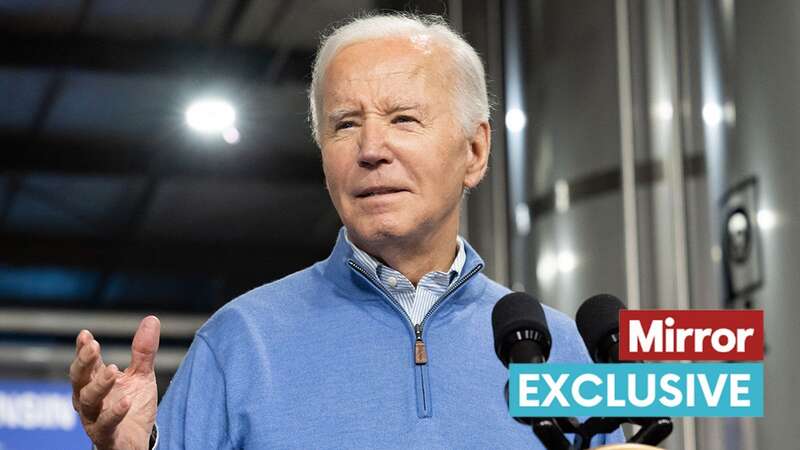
x=420, y=354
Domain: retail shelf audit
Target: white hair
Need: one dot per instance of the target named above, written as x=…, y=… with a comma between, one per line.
x=468, y=90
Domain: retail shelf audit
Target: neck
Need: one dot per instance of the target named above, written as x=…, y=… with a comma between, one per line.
x=417, y=255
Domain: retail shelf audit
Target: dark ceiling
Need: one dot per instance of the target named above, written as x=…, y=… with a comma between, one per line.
x=107, y=199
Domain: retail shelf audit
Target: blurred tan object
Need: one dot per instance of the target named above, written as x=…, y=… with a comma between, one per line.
x=628, y=447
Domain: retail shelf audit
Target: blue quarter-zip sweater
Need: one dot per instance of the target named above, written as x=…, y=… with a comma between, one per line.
x=324, y=358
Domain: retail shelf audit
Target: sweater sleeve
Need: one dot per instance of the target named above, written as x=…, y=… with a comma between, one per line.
x=193, y=414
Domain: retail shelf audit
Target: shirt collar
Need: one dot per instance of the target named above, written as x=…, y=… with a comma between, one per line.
x=375, y=266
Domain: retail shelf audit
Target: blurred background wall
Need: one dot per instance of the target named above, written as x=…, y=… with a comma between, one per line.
x=643, y=148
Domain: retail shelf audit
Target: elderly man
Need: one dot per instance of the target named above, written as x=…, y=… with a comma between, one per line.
x=385, y=344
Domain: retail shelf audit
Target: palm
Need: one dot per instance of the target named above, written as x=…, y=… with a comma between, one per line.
x=137, y=425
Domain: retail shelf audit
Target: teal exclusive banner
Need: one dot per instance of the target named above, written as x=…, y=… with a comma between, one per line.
x=637, y=390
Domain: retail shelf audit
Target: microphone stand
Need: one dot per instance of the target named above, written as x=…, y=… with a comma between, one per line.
x=653, y=429
x=551, y=431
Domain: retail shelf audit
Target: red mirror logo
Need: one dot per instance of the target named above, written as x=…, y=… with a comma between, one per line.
x=698, y=335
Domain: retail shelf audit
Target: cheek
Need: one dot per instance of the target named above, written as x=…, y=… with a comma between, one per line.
x=452, y=164
x=334, y=167
x=441, y=183
x=437, y=164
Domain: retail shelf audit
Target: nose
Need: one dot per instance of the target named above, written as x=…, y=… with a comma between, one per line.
x=373, y=148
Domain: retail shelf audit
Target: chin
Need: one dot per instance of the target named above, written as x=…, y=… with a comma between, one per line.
x=380, y=230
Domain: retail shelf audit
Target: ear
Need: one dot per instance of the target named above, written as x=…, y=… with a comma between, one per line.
x=480, y=144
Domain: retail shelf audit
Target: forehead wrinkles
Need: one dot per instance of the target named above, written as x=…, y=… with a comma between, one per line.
x=379, y=87
x=420, y=72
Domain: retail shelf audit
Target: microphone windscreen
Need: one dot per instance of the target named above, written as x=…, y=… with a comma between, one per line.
x=515, y=312
x=597, y=318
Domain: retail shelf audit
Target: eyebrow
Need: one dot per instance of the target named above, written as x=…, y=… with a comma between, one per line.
x=339, y=114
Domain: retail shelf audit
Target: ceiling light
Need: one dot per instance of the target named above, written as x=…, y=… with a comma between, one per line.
x=546, y=268
x=566, y=262
x=231, y=135
x=766, y=219
x=210, y=116
x=712, y=114
x=515, y=120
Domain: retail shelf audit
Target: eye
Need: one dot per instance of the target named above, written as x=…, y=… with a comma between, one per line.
x=404, y=119
x=345, y=124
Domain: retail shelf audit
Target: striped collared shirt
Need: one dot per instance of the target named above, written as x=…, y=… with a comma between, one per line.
x=415, y=301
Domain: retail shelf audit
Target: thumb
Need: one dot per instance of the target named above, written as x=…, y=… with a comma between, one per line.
x=145, y=345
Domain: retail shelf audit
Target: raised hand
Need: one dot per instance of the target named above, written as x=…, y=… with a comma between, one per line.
x=117, y=408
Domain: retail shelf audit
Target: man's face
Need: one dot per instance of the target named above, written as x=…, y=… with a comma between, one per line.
x=394, y=154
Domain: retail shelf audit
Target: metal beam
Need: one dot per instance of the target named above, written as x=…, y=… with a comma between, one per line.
x=151, y=56
x=107, y=157
x=232, y=22
x=59, y=357
x=59, y=322
x=261, y=261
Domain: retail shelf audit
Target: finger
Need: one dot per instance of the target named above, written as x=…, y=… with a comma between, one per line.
x=91, y=396
x=87, y=360
x=145, y=345
x=109, y=419
x=84, y=337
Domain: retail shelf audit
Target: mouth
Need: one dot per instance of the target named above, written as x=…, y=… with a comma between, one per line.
x=378, y=191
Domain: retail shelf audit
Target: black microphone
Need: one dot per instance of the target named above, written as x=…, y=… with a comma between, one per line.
x=598, y=324
x=521, y=336
x=520, y=330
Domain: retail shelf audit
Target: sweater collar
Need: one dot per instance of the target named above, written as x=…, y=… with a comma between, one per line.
x=336, y=267
x=376, y=266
